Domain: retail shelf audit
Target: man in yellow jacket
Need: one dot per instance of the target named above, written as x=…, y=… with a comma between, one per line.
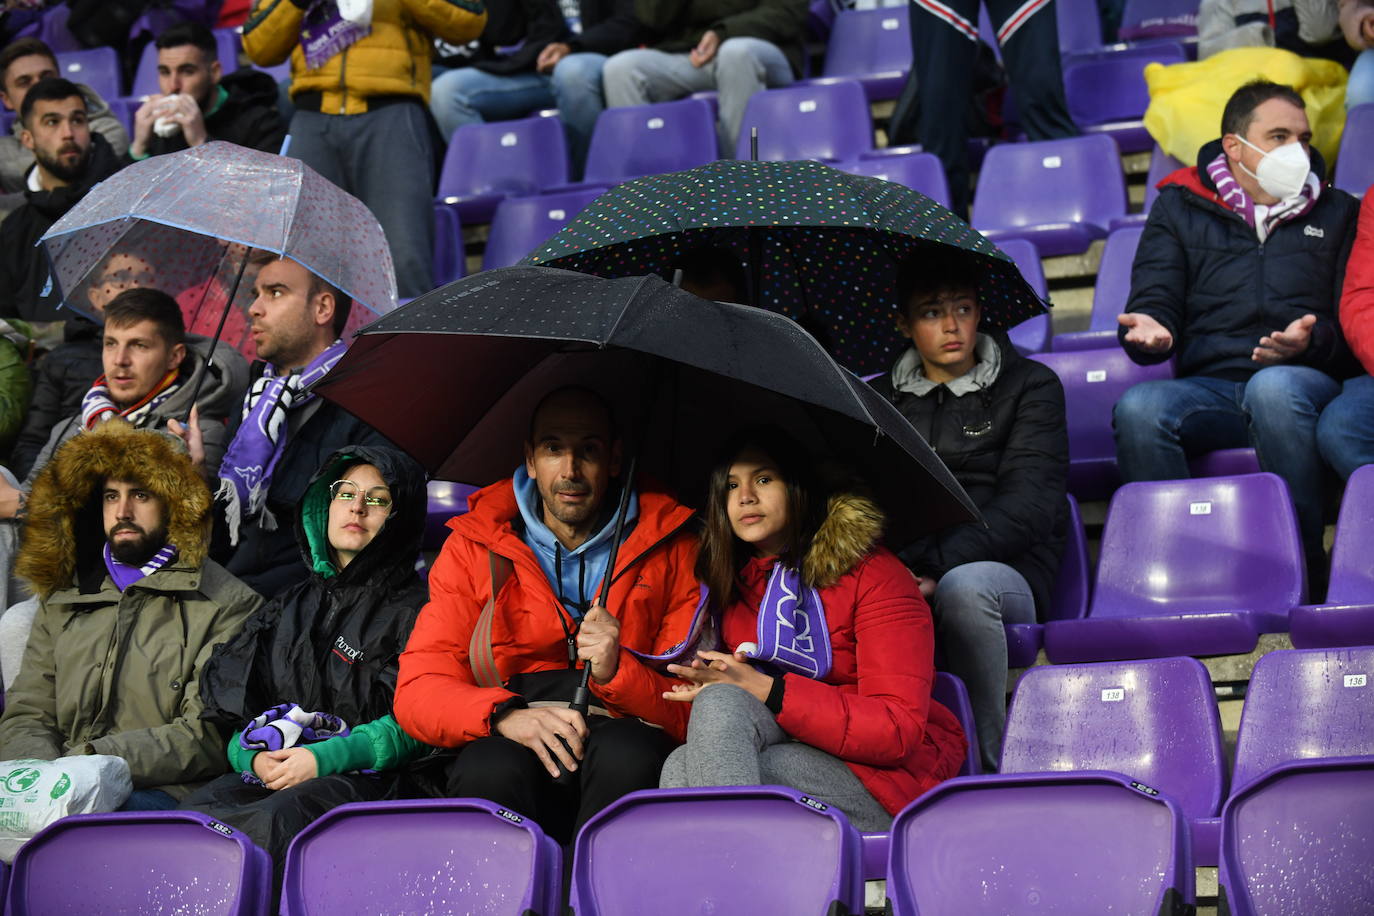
x=360, y=77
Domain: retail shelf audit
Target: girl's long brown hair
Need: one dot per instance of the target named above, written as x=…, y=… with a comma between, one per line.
x=722, y=554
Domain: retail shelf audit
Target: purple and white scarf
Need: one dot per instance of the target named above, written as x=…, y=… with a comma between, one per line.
x=246, y=471
x=97, y=405
x=1235, y=198
x=287, y=725
x=328, y=29
x=123, y=575
x=792, y=630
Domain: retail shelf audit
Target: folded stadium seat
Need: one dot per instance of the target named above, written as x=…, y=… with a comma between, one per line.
x=94, y=67
x=916, y=170
x=1347, y=617
x=872, y=46
x=139, y=862
x=1144, y=20
x=487, y=163
x=446, y=500
x=1161, y=166
x=1094, y=381
x=1154, y=721
x=1189, y=567
x=1112, y=290
x=829, y=122
x=449, y=855
x=1354, y=165
x=1107, y=93
x=651, y=139
x=449, y=260
x=1298, y=840
x=1069, y=601
x=522, y=224
x=1033, y=334
x=726, y=851
x=1047, y=842
x=1059, y=194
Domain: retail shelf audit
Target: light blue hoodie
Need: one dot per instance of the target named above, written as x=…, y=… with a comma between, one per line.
x=582, y=569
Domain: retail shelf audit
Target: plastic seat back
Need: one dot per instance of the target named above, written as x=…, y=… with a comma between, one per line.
x=1354, y=165
x=1032, y=335
x=949, y=691
x=1078, y=180
x=522, y=224
x=486, y=162
x=873, y=46
x=97, y=68
x=919, y=171
x=827, y=121
x=1352, y=554
x=650, y=139
x=1111, y=87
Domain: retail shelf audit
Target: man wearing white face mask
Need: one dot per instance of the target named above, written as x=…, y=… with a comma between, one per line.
x=1237, y=276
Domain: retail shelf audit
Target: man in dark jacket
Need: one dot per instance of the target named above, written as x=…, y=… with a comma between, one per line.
x=553, y=67
x=997, y=421
x=70, y=161
x=1238, y=276
x=198, y=103
x=737, y=47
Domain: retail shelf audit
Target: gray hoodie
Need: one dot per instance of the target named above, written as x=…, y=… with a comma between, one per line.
x=16, y=159
x=907, y=374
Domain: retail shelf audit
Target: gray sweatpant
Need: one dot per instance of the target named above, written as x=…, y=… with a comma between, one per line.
x=733, y=740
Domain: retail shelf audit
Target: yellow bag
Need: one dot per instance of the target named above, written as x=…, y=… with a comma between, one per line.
x=1186, y=100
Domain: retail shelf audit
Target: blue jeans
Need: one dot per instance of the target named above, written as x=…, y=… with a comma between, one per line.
x=1345, y=432
x=1360, y=89
x=970, y=605
x=577, y=90
x=470, y=96
x=383, y=158
x=149, y=800
x=1159, y=424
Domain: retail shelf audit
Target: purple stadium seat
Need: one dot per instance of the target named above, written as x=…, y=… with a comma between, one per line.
x=949, y=691
x=7, y=119
x=1189, y=567
x=464, y=855
x=1080, y=25
x=1298, y=840
x=873, y=47
x=1059, y=194
x=94, y=67
x=1347, y=617
x=1033, y=334
x=1107, y=93
x=450, y=262
x=139, y=862
x=230, y=42
x=1069, y=601
x=124, y=110
x=1161, y=166
x=1049, y=842
x=1354, y=165
x=723, y=851
x=446, y=500
x=1093, y=382
x=1110, y=293
x=487, y=163
x=1224, y=462
x=522, y=224
x=1142, y=20
x=651, y=139
x=278, y=72
x=829, y=122
x=55, y=33
x=916, y=170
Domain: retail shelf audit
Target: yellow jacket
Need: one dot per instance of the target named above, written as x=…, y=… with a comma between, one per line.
x=393, y=60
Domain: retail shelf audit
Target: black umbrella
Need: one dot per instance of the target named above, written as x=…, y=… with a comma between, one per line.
x=454, y=377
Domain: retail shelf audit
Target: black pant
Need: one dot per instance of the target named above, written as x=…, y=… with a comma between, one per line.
x=620, y=756
x=943, y=51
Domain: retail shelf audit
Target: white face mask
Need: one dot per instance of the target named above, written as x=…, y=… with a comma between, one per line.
x=1282, y=171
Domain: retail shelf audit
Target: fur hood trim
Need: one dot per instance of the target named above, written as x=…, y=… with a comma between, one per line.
x=47, y=560
x=853, y=524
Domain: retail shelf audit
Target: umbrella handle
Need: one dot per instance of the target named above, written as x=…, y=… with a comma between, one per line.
x=219, y=330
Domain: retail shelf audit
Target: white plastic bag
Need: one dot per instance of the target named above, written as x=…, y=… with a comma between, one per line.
x=35, y=793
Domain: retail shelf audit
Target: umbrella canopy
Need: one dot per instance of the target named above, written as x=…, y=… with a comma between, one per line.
x=184, y=222
x=828, y=245
x=471, y=360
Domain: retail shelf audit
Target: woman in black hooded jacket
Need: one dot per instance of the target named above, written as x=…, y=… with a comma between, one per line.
x=327, y=645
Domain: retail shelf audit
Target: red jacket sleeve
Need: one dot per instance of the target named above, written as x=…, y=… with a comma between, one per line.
x=881, y=722
x=637, y=689
x=1357, y=298
x=437, y=698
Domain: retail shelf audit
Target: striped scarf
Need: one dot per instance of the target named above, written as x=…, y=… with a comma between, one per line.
x=96, y=406
x=287, y=725
x=123, y=575
x=1235, y=198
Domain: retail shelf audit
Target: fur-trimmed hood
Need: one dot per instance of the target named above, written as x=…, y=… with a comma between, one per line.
x=114, y=449
x=852, y=526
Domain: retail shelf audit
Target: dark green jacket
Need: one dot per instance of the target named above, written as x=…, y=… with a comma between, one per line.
x=683, y=22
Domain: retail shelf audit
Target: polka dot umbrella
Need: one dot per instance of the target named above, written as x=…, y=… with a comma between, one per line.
x=827, y=242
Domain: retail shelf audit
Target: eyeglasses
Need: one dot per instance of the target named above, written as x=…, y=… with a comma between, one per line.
x=346, y=491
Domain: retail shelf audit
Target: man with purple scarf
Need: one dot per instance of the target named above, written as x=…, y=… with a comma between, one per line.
x=1237, y=277
x=286, y=432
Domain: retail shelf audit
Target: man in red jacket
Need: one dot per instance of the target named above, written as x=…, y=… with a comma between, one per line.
x=491, y=663
x=1345, y=431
